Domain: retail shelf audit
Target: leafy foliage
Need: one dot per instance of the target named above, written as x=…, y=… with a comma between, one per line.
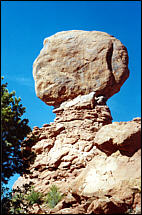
x=14, y=130
x=19, y=200
x=53, y=196
x=12, y=202
x=16, y=206
x=34, y=197
x=5, y=200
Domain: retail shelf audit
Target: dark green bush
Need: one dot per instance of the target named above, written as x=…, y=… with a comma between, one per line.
x=13, y=202
x=6, y=196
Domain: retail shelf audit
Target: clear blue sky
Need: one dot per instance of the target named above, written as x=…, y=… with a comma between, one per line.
x=25, y=24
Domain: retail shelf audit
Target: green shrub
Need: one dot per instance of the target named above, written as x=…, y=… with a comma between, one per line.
x=34, y=197
x=53, y=196
x=19, y=200
x=18, y=203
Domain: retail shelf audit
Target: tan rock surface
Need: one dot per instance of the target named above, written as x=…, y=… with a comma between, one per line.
x=112, y=181
x=77, y=62
x=98, y=183
x=107, y=175
x=95, y=163
x=125, y=136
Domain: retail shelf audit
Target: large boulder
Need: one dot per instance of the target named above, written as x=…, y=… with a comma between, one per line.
x=76, y=62
x=120, y=135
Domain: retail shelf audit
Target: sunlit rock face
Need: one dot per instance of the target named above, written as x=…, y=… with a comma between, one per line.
x=94, y=162
x=77, y=62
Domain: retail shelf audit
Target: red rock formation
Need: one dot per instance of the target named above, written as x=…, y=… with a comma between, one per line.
x=94, y=162
x=95, y=179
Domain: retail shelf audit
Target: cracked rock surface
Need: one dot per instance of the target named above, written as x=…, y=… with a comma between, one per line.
x=77, y=62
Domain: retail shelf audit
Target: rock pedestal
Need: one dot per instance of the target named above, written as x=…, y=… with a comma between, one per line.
x=66, y=145
x=95, y=163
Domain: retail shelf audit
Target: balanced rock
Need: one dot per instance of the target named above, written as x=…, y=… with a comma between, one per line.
x=76, y=62
x=95, y=163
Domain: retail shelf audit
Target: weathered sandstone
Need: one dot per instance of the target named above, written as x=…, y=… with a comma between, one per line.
x=97, y=180
x=95, y=163
x=109, y=175
x=120, y=135
x=76, y=62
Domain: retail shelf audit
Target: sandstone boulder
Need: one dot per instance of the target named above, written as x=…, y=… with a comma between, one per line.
x=76, y=62
x=123, y=136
